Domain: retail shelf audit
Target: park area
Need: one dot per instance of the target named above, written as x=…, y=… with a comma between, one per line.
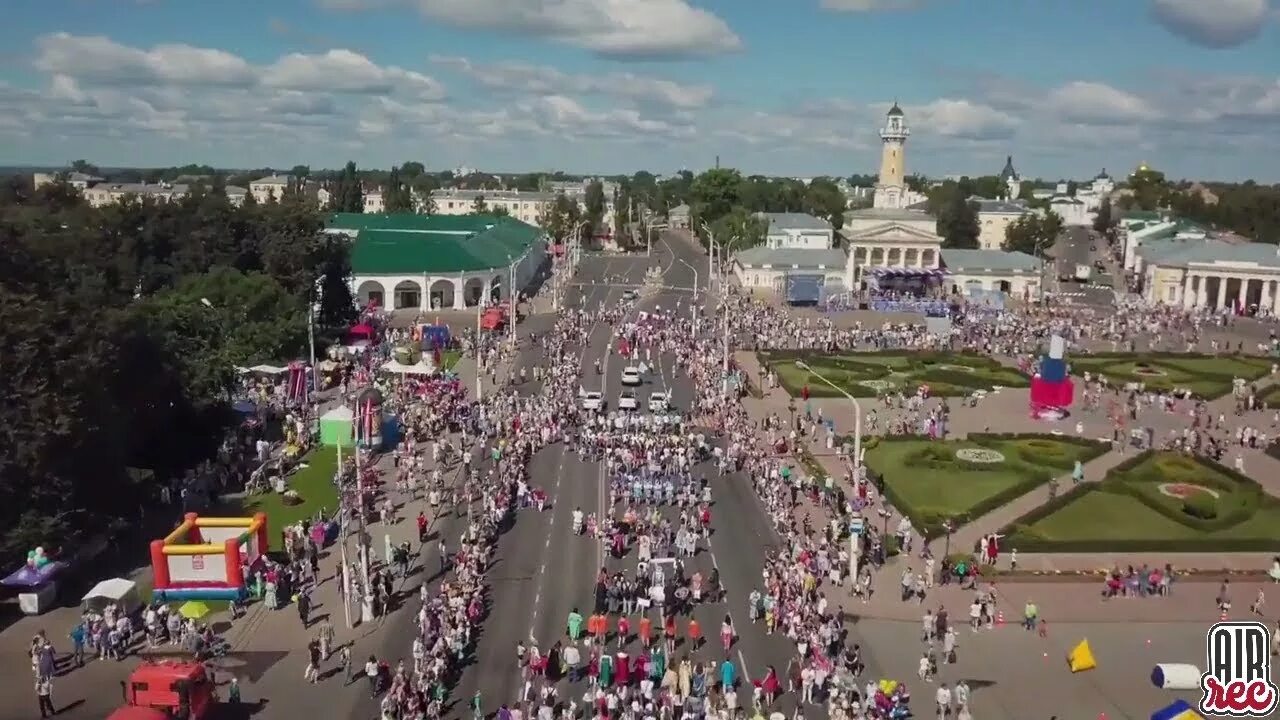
x=1206, y=376
x=870, y=374
x=1155, y=502
x=313, y=492
x=932, y=481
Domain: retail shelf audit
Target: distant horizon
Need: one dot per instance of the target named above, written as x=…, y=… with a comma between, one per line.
x=10, y=169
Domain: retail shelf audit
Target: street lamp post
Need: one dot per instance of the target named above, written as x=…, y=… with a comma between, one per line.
x=857, y=410
x=946, y=528
x=479, y=370
x=711, y=255
x=649, y=228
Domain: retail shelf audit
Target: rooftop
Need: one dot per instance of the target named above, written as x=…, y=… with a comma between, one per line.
x=411, y=222
x=888, y=214
x=273, y=180
x=1001, y=207
x=761, y=256
x=681, y=208
x=1182, y=252
x=436, y=245
x=988, y=261
x=530, y=195
x=781, y=222
x=145, y=188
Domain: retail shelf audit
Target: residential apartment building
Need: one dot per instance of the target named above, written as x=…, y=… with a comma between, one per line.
x=105, y=193
x=797, y=231
x=270, y=187
x=994, y=219
x=525, y=206
x=78, y=180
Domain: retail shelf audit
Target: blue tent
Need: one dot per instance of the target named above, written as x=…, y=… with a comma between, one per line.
x=244, y=407
x=1179, y=710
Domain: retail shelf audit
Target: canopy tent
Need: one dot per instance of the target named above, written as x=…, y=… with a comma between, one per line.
x=263, y=370
x=124, y=593
x=907, y=272
x=336, y=427
x=424, y=367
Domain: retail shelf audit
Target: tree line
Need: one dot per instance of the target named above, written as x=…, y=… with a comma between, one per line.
x=122, y=327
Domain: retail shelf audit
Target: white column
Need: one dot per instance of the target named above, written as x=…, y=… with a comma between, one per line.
x=1275, y=301
x=1267, y=298
x=1188, y=295
x=1222, y=293
x=424, y=298
x=1244, y=292
x=459, y=296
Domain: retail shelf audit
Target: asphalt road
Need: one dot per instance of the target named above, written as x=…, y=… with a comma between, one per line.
x=1075, y=247
x=543, y=571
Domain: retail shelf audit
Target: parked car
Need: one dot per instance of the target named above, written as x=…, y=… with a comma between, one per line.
x=631, y=376
x=593, y=400
x=627, y=401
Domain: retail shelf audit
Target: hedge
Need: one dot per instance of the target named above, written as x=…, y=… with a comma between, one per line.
x=1120, y=480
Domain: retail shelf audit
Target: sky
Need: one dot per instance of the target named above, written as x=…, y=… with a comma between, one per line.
x=779, y=87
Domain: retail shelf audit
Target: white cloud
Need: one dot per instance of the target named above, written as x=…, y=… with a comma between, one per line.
x=530, y=79
x=966, y=120
x=1098, y=103
x=614, y=28
x=1212, y=23
x=99, y=59
x=347, y=71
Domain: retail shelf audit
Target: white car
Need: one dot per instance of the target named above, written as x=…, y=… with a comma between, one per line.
x=658, y=402
x=593, y=401
x=627, y=401
x=631, y=376
x=630, y=295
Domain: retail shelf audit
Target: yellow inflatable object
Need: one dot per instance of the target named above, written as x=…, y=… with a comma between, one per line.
x=1081, y=658
x=888, y=686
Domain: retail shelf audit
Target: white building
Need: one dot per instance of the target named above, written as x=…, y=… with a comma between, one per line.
x=975, y=272
x=798, y=231
x=235, y=194
x=881, y=237
x=374, y=203
x=104, y=193
x=271, y=187
x=77, y=180
x=1195, y=273
x=765, y=268
x=994, y=219
x=1072, y=210
x=525, y=206
x=891, y=191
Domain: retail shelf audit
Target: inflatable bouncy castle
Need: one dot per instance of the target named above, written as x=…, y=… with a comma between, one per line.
x=207, y=558
x=1052, y=391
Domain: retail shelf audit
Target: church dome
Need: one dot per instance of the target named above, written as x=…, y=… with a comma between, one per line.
x=895, y=111
x=1008, y=171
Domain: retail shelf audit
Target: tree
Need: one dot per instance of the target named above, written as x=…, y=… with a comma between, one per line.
x=347, y=194
x=300, y=171
x=1032, y=233
x=1149, y=187
x=594, y=204
x=822, y=198
x=84, y=166
x=397, y=197
x=560, y=218
x=1103, y=222
x=715, y=192
x=957, y=217
x=478, y=206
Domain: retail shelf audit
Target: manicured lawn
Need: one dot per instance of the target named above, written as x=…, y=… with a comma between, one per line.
x=1207, y=376
x=1141, y=506
x=449, y=358
x=872, y=374
x=313, y=482
x=931, y=481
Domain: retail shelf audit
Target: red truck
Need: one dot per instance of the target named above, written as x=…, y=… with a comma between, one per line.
x=494, y=319
x=167, y=690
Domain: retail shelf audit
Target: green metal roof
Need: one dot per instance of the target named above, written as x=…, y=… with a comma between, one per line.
x=412, y=222
x=416, y=248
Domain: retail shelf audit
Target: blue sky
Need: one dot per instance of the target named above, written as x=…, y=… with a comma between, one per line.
x=794, y=87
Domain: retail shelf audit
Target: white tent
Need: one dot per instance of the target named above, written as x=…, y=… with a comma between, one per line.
x=124, y=593
x=339, y=413
x=421, y=368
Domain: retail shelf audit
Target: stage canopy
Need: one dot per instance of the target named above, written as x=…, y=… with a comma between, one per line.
x=906, y=273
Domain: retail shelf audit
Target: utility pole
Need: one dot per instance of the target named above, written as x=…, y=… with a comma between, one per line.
x=724, y=369
x=311, y=341
x=366, y=597
x=479, y=371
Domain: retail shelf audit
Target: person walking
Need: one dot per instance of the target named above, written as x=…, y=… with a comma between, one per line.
x=44, y=694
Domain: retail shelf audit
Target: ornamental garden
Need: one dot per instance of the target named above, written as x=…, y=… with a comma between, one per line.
x=1206, y=376
x=869, y=374
x=932, y=482
x=1155, y=502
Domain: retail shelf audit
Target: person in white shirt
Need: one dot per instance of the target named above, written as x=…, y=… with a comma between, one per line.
x=943, y=697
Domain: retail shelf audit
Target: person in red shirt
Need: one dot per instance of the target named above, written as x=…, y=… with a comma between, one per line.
x=624, y=631
x=422, y=527
x=695, y=634
x=646, y=629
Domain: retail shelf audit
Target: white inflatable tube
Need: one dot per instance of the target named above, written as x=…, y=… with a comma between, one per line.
x=1176, y=676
